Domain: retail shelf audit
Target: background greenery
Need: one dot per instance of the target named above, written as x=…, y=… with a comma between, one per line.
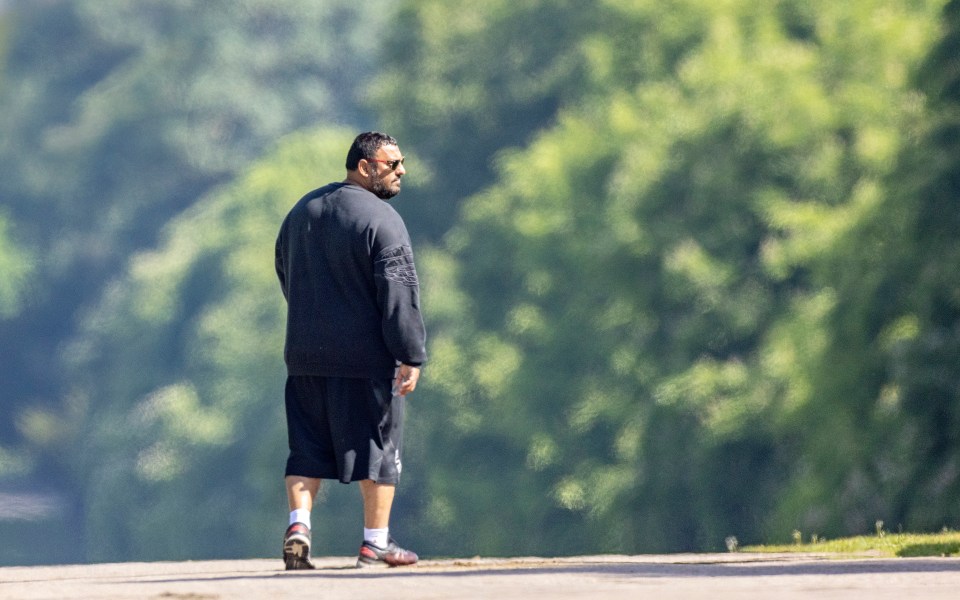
x=690, y=269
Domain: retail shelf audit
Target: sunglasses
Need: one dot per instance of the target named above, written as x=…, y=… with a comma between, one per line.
x=393, y=164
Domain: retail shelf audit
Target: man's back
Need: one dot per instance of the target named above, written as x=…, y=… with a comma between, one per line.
x=347, y=316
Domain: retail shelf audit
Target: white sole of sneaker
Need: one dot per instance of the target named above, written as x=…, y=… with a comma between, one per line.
x=372, y=565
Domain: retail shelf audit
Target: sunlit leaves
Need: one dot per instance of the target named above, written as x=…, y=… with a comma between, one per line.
x=15, y=269
x=187, y=427
x=659, y=253
x=675, y=289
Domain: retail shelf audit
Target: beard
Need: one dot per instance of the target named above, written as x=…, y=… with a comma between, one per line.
x=380, y=189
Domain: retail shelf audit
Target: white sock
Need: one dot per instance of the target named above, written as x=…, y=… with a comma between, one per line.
x=378, y=537
x=300, y=515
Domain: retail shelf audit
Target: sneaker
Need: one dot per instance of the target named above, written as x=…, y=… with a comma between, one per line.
x=391, y=556
x=296, y=548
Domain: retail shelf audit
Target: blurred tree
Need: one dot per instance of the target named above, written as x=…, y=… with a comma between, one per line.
x=118, y=115
x=926, y=369
x=881, y=428
x=643, y=295
x=15, y=269
x=621, y=322
x=462, y=84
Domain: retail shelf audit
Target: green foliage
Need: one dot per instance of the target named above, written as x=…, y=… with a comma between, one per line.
x=888, y=449
x=16, y=264
x=945, y=543
x=462, y=84
x=15, y=269
x=644, y=285
x=119, y=115
x=689, y=268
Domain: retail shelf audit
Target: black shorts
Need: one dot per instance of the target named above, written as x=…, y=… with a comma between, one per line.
x=344, y=428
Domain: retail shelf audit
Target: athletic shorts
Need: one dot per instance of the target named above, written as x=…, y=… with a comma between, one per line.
x=344, y=428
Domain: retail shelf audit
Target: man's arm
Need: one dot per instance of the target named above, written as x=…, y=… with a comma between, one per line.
x=398, y=294
x=279, y=252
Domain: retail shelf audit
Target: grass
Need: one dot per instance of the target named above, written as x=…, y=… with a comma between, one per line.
x=946, y=543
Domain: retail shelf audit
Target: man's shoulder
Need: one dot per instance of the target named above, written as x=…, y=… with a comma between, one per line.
x=326, y=190
x=346, y=191
x=367, y=203
x=351, y=202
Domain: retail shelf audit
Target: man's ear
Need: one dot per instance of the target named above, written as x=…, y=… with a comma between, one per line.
x=363, y=167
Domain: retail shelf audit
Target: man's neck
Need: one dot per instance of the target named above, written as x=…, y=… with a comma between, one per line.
x=354, y=178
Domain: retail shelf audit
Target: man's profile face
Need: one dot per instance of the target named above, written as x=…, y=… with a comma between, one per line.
x=383, y=180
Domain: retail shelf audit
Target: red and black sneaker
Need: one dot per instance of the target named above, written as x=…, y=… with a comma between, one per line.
x=296, y=548
x=391, y=556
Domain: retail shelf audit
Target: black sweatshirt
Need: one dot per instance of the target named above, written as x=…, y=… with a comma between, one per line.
x=353, y=299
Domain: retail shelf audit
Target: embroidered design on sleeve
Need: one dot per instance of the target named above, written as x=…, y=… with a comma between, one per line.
x=396, y=265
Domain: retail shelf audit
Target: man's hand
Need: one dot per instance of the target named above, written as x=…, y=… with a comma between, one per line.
x=406, y=381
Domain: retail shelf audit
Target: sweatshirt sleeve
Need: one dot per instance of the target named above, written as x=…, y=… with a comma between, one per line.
x=279, y=260
x=398, y=293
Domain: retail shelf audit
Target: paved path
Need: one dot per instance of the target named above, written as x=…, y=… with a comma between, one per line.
x=665, y=577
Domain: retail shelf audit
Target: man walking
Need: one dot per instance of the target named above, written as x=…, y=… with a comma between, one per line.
x=355, y=343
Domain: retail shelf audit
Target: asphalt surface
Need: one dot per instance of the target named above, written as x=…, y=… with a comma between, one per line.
x=664, y=577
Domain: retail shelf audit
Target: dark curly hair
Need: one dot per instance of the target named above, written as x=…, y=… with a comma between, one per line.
x=365, y=146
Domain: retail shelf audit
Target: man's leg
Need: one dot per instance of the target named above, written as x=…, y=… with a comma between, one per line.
x=377, y=502
x=379, y=549
x=301, y=492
